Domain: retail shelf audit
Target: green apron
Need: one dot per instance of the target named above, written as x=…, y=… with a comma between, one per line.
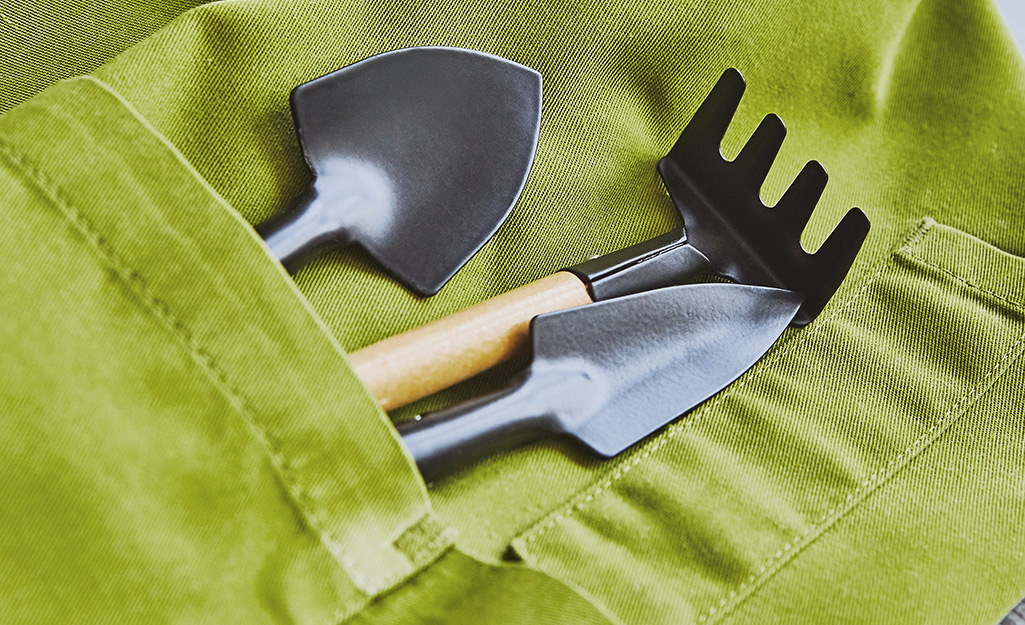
x=183, y=440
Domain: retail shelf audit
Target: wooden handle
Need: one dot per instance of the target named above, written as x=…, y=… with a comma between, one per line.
x=415, y=364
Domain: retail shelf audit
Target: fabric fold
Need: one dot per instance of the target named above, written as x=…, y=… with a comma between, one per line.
x=181, y=273
x=184, y=441
x=778, y=468
x=191, y=441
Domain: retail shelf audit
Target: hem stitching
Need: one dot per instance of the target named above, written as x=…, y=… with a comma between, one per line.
x=682, y=426
x=881, y=476
x=162, y=311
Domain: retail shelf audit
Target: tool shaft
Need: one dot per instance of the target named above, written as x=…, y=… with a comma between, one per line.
x=417, y=363
x=409, y=366
x=445, y=441
x=307, y=229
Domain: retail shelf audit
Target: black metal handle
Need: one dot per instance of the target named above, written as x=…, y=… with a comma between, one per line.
x=301, y=233
x=665, y=260
x=445, y=441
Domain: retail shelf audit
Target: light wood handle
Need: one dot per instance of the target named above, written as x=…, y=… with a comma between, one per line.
x=417, y=363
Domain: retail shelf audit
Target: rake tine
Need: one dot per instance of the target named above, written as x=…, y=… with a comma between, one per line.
x=842, y=244
x=799, y=200
x=757, y=156
x=833, y=259
x=708, y=126
x=726, y=219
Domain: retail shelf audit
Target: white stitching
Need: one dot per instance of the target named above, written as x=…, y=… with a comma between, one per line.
x=769, y=568
x=681, y=426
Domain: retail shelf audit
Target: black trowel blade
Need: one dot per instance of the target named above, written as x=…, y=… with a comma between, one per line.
x=426, y=150
x=650, y=357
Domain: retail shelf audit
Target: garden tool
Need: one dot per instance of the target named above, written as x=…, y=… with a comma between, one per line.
x=611, y=373
x=729, y=232
x=418, y=155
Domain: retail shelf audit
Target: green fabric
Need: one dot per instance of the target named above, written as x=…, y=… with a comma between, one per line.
x=459, y=589
x=185, y=441
x=44, y=41
x=189, y=443
x=777, y=472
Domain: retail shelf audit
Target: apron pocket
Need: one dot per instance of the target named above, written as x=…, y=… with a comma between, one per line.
x=171, y=391
x=693, y=523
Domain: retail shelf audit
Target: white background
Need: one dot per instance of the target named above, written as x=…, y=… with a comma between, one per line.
x=1014, y=15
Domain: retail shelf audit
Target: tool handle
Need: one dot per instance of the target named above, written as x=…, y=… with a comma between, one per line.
x=310, y=227
x=433, y=357
x=445, y=441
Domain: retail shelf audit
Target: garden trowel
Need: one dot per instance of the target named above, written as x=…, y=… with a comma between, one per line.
x=611, y=373
x=418, y=155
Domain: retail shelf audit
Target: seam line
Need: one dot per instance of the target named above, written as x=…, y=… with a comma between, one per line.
x=1003, y=298
x=790, y=550
x=162, y=312
x=685, y=424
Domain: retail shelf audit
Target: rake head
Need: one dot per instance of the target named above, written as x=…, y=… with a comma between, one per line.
x=726, y=220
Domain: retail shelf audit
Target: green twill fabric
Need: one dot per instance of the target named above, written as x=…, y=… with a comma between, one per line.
x=183, y=440
x=44, y=41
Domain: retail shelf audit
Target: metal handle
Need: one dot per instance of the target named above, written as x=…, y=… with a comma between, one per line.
x=347, y=197
x=445, y=441
x=663, y=261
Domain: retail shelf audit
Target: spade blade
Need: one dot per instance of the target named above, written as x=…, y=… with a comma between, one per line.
x=418, y=156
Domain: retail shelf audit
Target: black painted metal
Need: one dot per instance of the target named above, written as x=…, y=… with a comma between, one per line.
x=611, y=373
x=737, y=235
x=418, y=156
x=726, y=219
x=1016, y=616
x=662, y=261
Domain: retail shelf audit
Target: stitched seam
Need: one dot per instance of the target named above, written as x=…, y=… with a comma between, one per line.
x=790, y=550
x=422, y=539
x=968, y=283
x=686, y=424
x=910, y=242
x=679, y=427
x=217, y=375
x=433, y=550
x=348, y=610
x=389, y=582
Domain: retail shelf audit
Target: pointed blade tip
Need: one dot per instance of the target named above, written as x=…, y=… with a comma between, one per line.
x=714, y=333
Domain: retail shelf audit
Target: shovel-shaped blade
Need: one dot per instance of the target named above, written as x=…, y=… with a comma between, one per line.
x=419, y=155
x=611, y=373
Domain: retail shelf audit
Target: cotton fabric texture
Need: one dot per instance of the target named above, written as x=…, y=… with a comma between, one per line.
x=184, y=441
